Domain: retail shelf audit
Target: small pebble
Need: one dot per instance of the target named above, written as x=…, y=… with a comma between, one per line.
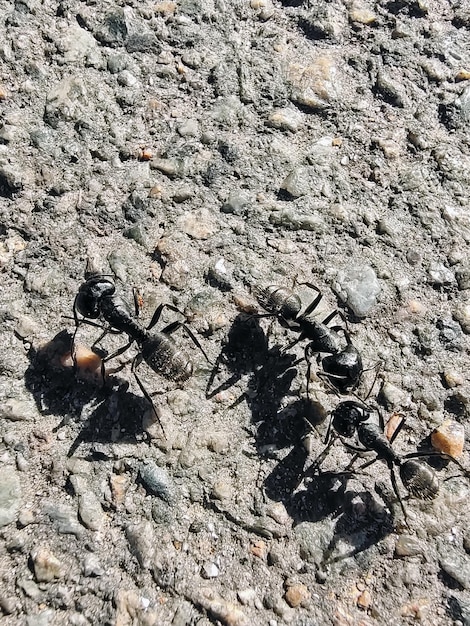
x=361, y=14
x=358, y=287
x=142, y=542
x=297, y=595
x=198, y=224
x=157, y=481
x=222, y=490
x=10, y=496
x=119, y=484
x=393, y=423
x=456, y=565
x=247, y=596
x=16, y=410
x=286, y=119
x=462, y=315
x=189, y=128
x=210, y=570
x=440, y=275
x=364, y=599
x=259, y=549
x=26, y=517
x=408, y=545
x=8, y=604
x=46, y=565
x=226, y=612
x=297, y=183
x=92, y=566
x=417, y=609
x=30, y=588
x=449, y=438
x=393, y=396
x=236, y=203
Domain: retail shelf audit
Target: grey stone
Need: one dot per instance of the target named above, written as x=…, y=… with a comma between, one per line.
x=358, y=287
x=10, y=496
x=157, y=481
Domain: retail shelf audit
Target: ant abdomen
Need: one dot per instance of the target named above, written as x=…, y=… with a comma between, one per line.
x=419, y=479
x=280, y=301
x=161, y=354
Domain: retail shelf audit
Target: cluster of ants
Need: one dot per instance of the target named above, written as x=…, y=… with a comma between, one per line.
x=98, y=304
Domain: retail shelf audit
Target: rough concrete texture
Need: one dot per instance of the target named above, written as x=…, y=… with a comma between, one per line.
x=196, y=152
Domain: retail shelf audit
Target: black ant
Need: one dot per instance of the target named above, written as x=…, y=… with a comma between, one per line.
x=350, y=418
x=97, y=299
x=342, y=367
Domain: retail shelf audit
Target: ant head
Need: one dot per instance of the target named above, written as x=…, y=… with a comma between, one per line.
x=348, y=415
x=419, y=478
x=90, y=294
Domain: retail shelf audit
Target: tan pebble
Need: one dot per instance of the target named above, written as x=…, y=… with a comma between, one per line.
x=88, y=363
x=390, y=148
x=144, y=154
x=452, y=379
x=244, y=304
x=463, y=75
x=3, y=93
x=198, y=224
x=46, y=565
x=226, y=612
x=259, y=549
x=364, y=600
x=297, y=595
x=361, y=14
x=449, y=438
x=416, y=609
x=416, y=308
x=221, y=490
x=119, y=484
x=258, y=4
x=393, y=423
x=337, y=142
x=156, y=191
x=165, y=8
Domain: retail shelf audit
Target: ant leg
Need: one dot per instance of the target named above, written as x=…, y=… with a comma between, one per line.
x=397, y=493
x=430, y=453
x=315, y=302
x=171, y=328
x=112, y=356
x=331, y=316
x=135, y=363
x=100, y=338
x=326, y=376
x=315, y=466
x=158, y=312
x=398, y=430
x=392, y=477
x=294, y=343
x=73, y=352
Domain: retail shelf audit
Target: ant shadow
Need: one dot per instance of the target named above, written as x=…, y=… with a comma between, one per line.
x=106, y=413
x=270, y=373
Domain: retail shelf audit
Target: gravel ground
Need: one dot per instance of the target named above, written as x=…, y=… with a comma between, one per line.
x=199, y=151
